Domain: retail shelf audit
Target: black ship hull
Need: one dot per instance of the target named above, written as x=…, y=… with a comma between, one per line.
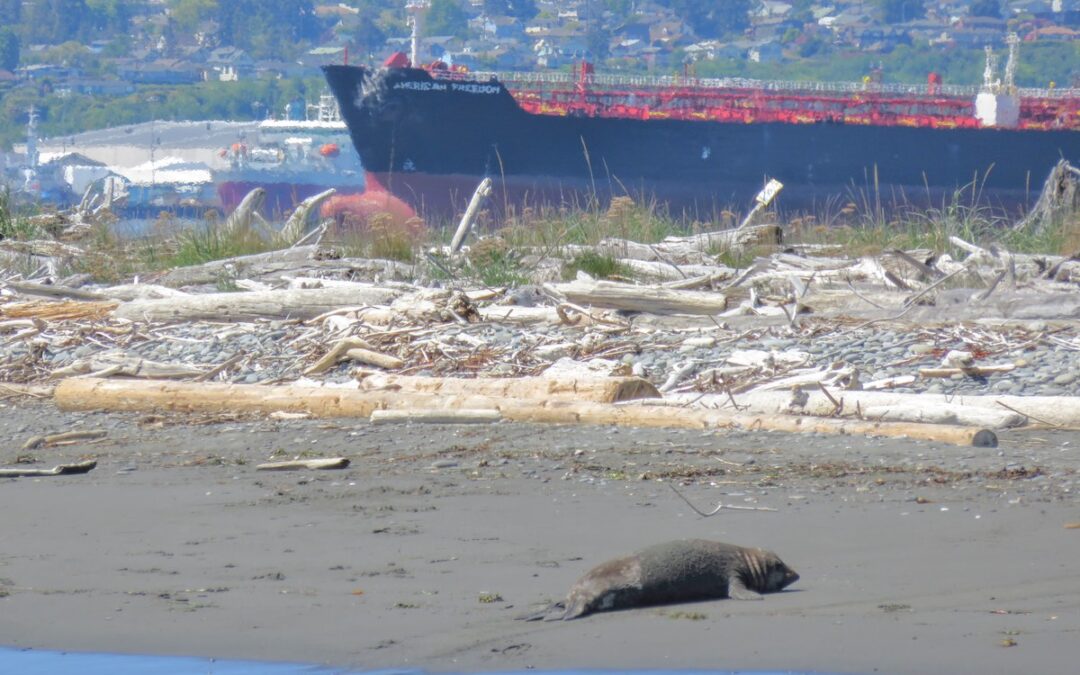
x=430, y=141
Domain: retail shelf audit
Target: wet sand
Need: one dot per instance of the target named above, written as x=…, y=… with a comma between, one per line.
x=914, y=557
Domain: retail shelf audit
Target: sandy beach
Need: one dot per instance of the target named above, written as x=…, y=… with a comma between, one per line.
x=914, y=557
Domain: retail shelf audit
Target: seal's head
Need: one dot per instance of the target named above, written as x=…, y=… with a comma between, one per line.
x=766, y=572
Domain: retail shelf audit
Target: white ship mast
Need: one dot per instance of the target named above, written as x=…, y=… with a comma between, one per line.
x=416, y=9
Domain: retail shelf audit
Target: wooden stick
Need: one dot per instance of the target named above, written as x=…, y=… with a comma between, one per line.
x=65, y=437
x=373, y=358
x=59, y=470
x=140, y=395
x=336, y=352
x=719, y=505
x=482, y=191
x=301, y=464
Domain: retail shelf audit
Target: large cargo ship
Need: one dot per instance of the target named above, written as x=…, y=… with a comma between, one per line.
x=429, y=134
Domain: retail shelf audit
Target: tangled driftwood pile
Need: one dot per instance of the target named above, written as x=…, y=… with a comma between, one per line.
x=361, y=337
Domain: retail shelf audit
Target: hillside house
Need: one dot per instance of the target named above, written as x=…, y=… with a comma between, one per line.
x=159, y=71
x=229, y=64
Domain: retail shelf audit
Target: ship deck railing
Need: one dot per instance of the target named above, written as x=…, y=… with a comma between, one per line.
x=562, y=79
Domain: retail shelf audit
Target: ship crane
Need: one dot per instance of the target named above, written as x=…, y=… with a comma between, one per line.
x=998, y=104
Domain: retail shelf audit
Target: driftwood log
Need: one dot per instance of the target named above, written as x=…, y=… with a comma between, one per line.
x=97, y=394
x=1056, y=410
x=285, y=304
x=596, y=389
x=321, y=464
x=629, y=297
x=59, y=470
x=296, y=260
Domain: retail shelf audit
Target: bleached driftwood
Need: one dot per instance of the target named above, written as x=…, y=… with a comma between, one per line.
x=46, y=248
x=1060, y=196
x=465, y=226
x=239, y=266
x=735, y=240
x=52, y=291
x=663, y=271
x=135, y=395
x=64, y=438
x=118, y=363
x=283, y=304
x=293, y=261
x=296, y=224
x=437, y=416
x=970, y=371
x=126, y=292
x=981, y=417
x=321, y=464
x=246, y=214
x=374, y=358
x=336, y=353
x=1062, y=410
x=550, y=387
x=838, y=374
x=60, y=470
x=650, y=299
x=890, y=382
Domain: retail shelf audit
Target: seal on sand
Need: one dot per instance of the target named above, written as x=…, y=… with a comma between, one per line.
x=675, y=571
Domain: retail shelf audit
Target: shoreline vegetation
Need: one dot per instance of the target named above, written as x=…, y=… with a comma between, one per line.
x=857, y=226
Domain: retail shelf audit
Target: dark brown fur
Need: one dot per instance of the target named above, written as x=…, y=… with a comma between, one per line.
x=675, y=571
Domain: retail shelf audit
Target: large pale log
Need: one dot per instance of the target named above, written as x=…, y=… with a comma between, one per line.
x=97, y=394
x=596, y=389
x=237, y=267
x=41, y=247
x=663, y=271
x=140, y=292
x=284, y=304
x=51, y=291
x=983, y=417
x=296, y=260
x=651, y=299
x=693, y=249
x=1058, y=410
x=730, y=240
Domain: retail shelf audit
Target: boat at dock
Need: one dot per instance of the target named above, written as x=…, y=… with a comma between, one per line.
x=292, y=160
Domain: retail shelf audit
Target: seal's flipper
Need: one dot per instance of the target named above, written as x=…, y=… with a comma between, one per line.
x=550, y=612
x=737, y=590
x=577, y=607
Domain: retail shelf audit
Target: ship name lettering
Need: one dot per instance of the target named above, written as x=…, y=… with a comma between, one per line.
x=421, y=86
x=475, y=88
